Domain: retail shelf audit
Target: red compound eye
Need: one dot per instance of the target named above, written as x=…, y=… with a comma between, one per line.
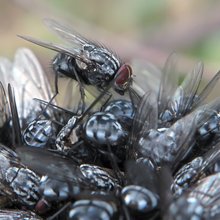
x=123, y=77
x=42, y=206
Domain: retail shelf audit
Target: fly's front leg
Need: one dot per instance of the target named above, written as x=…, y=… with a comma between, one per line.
x=82, y=103
x=64, y=139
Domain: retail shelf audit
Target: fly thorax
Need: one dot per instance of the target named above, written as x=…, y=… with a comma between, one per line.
x=187, y=175
x=102, y=129
x=139, y=199
x=99, y=177
x=92, y=209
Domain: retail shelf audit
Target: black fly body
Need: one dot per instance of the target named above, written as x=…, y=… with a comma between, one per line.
x=85, y=61
x=176, y=101
x=200, y=202
x=194, y=170
x=18, y=182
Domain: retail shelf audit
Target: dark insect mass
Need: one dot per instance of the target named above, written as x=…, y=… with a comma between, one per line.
x=143, y=147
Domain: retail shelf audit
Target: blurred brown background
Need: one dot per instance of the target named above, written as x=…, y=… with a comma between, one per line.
x=148, y=30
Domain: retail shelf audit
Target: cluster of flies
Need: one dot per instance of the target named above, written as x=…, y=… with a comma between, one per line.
x=127, y=154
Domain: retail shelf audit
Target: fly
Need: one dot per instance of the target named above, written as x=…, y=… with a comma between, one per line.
x=177, y=101
x=140, y=194
x=85, y=61
x=196, y=169
x=200, y=202
x=63, y=141
x=18, y=182
x=28, y=79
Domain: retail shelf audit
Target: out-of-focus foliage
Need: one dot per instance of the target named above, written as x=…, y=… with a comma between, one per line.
x=141, y=29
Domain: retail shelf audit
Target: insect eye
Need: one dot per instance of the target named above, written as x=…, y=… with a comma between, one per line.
x=123, y=77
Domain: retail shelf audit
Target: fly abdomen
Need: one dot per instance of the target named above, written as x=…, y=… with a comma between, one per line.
x=38, y=133
x=102, y=129
x=209, y=129
x=54, y=190
x=183, y=179
x=139, y=199
x=24, y=183
x=99, y=177
x=92, y=209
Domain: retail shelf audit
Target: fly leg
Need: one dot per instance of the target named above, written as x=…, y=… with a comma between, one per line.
x=81, y=106
x=43, y=111
x=63, y=140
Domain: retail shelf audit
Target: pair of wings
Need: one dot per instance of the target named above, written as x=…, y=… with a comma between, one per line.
x=181, y=99
x=208, y=160
x=203, y=196
x=75, y=43
x=146, y=118
x=74, y=46
x=28, y=79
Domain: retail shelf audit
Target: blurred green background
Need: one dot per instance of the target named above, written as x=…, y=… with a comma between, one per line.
x=143, y=29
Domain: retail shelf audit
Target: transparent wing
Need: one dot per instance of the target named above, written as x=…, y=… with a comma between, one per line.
x=69, y=96
x=206, y=191
x=185, y=94
x=27, y=62
x=5, y=70
x=5, y=119
x=208, y=88
x=145, y=118
x=146, y=77
x=209, y=159
x=207, y=111
x=9, y=157
x=142, y=175
x=67, y=33
x=76, y=53
x=171, y=145
x=75, y=40
x=50, y=164
x=184, y=130
x=186, y=127
x=78, y=46
x=168, y=83
x=28, y=80
x=4, y=107
x=17, y=139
